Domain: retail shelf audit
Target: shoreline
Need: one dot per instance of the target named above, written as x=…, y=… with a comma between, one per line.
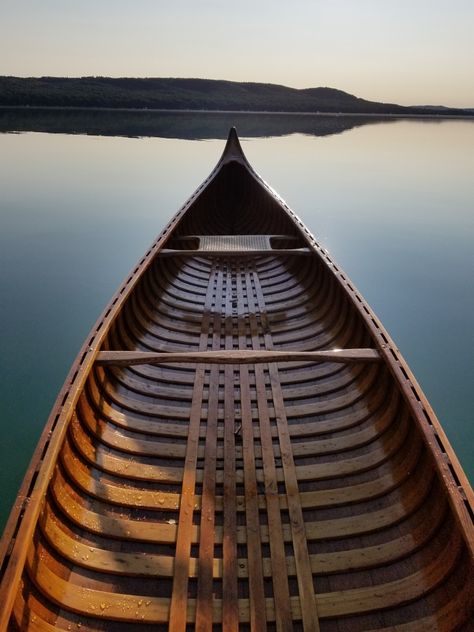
x=30, y=108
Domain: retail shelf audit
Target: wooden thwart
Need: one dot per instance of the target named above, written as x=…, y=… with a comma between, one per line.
x=169, y=252
x=130, y=358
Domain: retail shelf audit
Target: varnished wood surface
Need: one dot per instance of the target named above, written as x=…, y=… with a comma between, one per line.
x=231, y=356
x=212, y=462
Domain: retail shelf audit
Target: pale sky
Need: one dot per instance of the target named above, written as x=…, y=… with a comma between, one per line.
x=400, y=51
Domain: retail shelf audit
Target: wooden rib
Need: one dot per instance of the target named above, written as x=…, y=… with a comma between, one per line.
x=116, y=494
x=303, y=564
x=230, y=609
x=105, y=399
x=252, y=516
x=89, y=478
x=130, y=358
x=90, y=516
x=450, y=617
x=100, y=412
x=135, y=470
x=179, y=597
x=134, y=608
x=148, y=565
x=281, y=591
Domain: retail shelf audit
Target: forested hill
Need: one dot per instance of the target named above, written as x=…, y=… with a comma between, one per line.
x=190, y=94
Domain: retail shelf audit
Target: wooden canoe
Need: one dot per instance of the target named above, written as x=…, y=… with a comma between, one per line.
x=239, y=446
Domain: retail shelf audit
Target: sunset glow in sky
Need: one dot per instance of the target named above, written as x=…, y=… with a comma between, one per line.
x=409, y=52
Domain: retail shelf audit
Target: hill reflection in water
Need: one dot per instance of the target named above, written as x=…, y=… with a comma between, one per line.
x=181, y=125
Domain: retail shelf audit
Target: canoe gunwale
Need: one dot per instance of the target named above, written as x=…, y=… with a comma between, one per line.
x=26, y=510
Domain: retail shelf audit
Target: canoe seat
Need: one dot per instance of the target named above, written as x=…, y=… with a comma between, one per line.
x=220, y=245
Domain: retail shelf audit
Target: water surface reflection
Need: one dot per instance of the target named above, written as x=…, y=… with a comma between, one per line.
x=184, y=125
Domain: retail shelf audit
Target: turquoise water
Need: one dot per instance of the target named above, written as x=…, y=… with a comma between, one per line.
x=393, y=202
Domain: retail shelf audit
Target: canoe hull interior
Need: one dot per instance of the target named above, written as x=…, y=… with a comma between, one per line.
x=289, y=495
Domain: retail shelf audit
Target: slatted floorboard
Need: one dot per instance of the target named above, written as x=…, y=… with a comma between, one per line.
x=240, y=497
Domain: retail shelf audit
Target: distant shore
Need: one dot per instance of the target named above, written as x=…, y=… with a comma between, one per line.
x=200, y=95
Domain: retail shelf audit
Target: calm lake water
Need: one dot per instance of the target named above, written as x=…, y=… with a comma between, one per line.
x=393, y=202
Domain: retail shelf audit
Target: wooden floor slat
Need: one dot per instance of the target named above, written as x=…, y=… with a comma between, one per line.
x=230, y=607
x=300, y=547
x=206, y=543
x=281, y=591
x=179, y=598
x=254, y=546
